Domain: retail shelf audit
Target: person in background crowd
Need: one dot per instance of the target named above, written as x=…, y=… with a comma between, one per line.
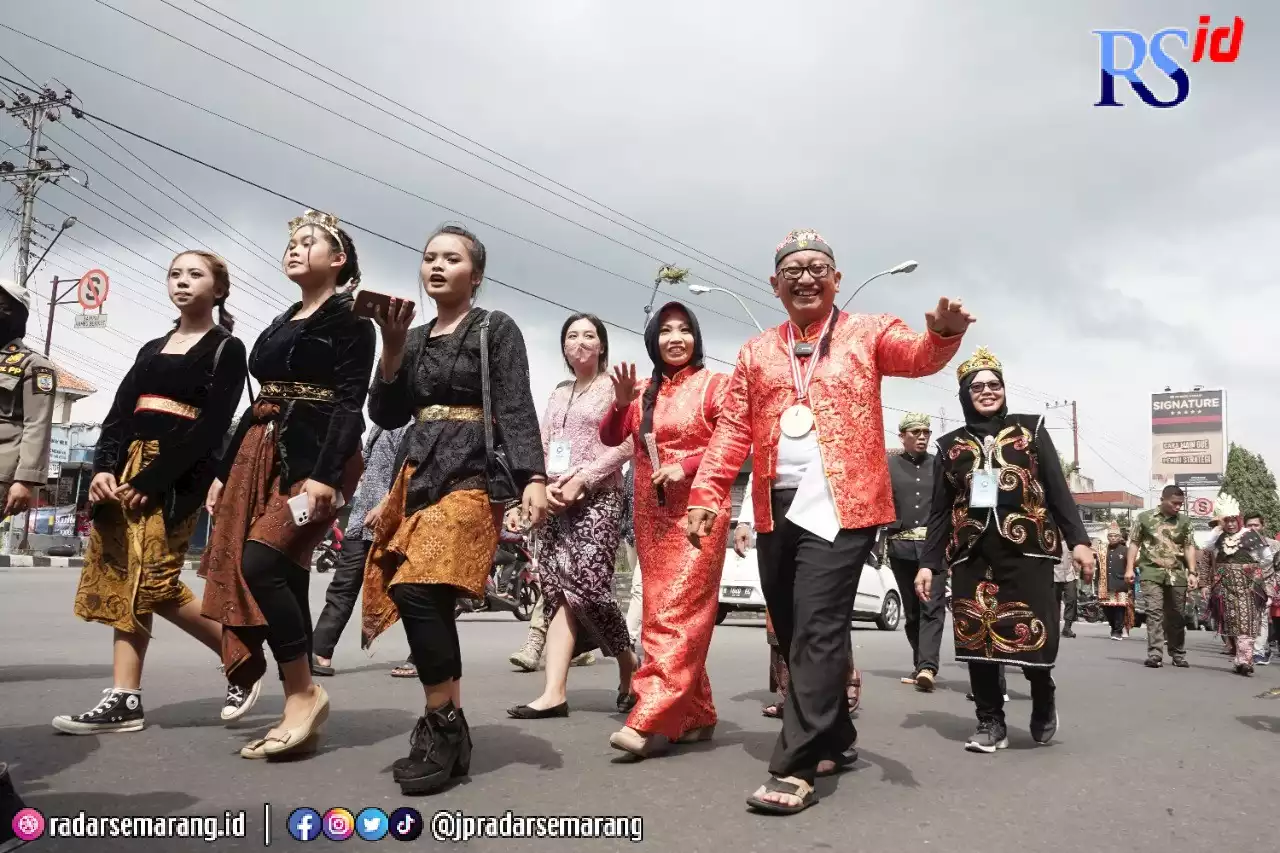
x=380, y=450
x=153, y=465
x=1113, y=591
x=779, y=677
x=438, y=529
x=673, y=416
x=805, y=398
x=301, y=436
x=1066, y=590
x=27, y=395
x=1243, y=563
x=1000, y=513
x=911, y=473
x=1261, y=645
x=578, y=549
x=1162, y=547
x=635, y=602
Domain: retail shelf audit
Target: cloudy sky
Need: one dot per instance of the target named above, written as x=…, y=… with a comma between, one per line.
x=1106, y=252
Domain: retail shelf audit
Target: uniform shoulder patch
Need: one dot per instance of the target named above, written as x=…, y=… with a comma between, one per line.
x=45, y=381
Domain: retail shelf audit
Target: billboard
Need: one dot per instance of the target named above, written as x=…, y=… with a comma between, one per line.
x=1188, y=438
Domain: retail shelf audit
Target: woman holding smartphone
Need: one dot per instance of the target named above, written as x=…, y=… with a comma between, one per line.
x=438, y=529
x=299, y=440
x=152, y=467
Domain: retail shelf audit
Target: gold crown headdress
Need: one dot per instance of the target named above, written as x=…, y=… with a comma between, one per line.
x=982, y=359
x=326, y=222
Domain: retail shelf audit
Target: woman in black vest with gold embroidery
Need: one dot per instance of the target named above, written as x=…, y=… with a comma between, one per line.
x=1000, y=513
x=300, y=437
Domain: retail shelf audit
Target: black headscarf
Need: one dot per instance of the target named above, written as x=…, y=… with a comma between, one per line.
x=978, y=424
x=660, y=367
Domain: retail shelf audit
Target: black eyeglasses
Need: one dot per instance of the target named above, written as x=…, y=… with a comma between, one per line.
x=920, y=433
x=979, y=387
x=818, y=271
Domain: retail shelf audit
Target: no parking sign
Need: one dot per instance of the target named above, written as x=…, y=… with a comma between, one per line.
x=1202, y=507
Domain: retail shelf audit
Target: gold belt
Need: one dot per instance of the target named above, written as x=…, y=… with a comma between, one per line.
x=915, y=533
x=156, y=403
x=450, y=413
x=297, y=391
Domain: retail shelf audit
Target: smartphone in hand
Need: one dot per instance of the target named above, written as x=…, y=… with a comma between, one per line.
x=368, y=301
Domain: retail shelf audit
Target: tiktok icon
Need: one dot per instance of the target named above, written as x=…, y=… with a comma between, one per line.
x=406, y=824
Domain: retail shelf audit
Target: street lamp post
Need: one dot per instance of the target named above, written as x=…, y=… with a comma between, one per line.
x=904, y=267
x=700, y=289
x=66, y=223
x=670, y=274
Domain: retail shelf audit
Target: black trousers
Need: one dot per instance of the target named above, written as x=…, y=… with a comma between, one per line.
x=340, y=597
x=1069, y=592
x=925, y=620
x=427, y=611
x=809, y=586
x=280, y=586
x=1115, y=617
x=987, y=682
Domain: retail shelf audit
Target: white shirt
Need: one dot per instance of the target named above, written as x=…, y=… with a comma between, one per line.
x=795, y=456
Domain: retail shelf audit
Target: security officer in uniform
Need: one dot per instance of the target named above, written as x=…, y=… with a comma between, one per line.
x=911, y=473
x=28, y=384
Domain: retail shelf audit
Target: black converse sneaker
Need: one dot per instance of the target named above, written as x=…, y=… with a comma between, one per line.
x=119, y=711
x=990, y=736
x=240, y=701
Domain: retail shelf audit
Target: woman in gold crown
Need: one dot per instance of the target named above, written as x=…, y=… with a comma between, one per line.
x=301, y=436
x=1000, y=513
x=1242, y=565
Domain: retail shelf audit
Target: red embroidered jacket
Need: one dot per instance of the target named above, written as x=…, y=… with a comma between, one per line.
x=845, y=398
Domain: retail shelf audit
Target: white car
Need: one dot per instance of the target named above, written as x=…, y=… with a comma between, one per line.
x=877, y=600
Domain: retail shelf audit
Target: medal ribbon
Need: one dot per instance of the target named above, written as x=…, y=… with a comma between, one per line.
x=803, y=380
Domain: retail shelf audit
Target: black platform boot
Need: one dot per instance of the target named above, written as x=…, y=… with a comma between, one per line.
x=10, y=805
x=440, y=738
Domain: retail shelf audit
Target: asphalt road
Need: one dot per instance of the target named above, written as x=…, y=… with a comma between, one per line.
x=1160, y=761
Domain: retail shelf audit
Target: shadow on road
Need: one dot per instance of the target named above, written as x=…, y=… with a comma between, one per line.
x=764, y=697
x=100, y=803
x=955, y=685
x=1262, y=724
x=54, y=672
x=36, y=753
x=950, y=726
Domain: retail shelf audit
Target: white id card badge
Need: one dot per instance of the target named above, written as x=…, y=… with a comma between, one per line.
x=982, y=490
x=558, y=460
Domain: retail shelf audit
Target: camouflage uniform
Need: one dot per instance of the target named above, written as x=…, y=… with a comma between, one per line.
x=1161, y=541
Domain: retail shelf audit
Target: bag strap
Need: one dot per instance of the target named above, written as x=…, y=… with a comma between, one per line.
x=484, y=384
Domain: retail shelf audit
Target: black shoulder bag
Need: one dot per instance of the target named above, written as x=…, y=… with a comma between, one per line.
x=502, y=484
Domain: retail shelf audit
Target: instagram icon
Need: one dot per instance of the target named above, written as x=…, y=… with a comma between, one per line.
x=338, y=824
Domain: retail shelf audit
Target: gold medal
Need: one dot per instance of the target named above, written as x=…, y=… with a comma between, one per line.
x=797, y=421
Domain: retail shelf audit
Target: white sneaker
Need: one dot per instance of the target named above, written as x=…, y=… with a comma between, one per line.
x=239, y=701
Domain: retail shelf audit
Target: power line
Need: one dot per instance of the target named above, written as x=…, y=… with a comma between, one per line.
x=346, y=168
x=310, y=73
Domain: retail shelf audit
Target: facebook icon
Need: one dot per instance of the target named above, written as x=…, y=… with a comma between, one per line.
x=304, y=824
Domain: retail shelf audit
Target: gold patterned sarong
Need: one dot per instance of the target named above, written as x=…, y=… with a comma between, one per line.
x=134, y=564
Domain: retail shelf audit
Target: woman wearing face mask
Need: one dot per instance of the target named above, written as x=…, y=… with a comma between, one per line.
x=1000, y=513
x=671, y=418
x=152, y=467
x=437, y=530
x=301, y=436
x=1242, y=566
x=579, y=545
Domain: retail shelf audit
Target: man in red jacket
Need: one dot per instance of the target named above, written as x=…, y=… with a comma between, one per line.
x=806, y=396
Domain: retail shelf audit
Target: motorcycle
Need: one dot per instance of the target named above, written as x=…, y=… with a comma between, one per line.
x=512, y=585
x=327, y=552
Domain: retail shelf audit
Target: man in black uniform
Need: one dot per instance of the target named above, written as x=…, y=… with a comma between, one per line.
x=912, y=474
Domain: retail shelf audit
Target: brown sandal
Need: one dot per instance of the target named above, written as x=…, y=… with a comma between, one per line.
x=773, y=711
x=405, y=670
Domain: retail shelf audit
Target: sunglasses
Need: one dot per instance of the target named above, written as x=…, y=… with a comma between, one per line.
x=979, y=387
x=920, y=433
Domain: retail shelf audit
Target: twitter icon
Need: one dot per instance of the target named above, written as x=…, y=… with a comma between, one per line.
x=372, y=824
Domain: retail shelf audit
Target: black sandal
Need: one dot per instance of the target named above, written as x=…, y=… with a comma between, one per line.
x=778, y=786
x=626, y=701
x=843, y=762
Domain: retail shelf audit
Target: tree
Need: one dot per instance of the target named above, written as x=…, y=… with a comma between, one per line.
x=1250, y=482
x=1068, y=467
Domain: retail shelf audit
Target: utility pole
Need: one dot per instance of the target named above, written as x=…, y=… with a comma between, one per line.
x=32, y=113
x=1075, y=429
x=39, y=169
x=942, y=420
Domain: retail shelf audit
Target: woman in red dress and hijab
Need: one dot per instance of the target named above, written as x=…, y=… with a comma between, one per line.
x=671, y=418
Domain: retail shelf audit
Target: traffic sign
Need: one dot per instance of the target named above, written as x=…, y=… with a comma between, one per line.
x=92, y=290
x=1202, y=507
x=91, y=321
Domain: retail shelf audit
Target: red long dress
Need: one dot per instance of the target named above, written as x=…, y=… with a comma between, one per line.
x=681, y=584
